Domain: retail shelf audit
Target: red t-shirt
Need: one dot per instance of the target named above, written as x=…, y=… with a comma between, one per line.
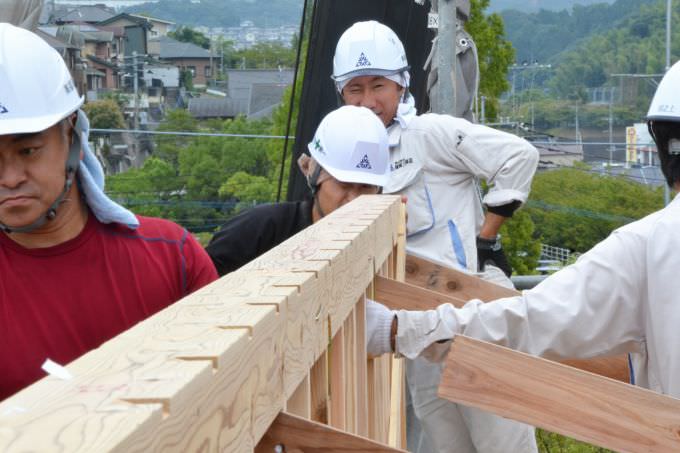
x=60, y=302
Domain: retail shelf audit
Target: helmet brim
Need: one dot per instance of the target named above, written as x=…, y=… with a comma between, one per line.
x=31, y=125
x=358, y=177
x=368, y=72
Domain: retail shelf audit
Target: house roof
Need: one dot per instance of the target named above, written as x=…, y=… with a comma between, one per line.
x=88, y=13
x=241, y=80
x=206, y=107
x=103, y=62
x=53, y=41
x=154, y=19
x=264, y=97
x=141, y=20
x=173, y=49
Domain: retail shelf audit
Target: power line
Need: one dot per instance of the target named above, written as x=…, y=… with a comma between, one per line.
x=190, y=134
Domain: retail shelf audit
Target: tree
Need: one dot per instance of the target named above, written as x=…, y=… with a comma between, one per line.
x=104, y=114
x=575, y=208
x=495, y=53
x=188, y=34
x=520, y=244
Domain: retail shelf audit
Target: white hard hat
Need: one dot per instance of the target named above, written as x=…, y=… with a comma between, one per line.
x=665, y=105
x=368, y=48
x=36, y=88
x=351, y=144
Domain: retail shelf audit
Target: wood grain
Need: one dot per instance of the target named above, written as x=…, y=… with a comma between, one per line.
x=297, y=434
x=452, y=282
x=212, y=371
x=399, y=296
x=562, y=399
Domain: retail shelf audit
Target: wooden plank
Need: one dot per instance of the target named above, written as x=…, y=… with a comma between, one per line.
x=319, y=390
x=349, y=378
x=562, y=399
x=452, y=282
x=300, y=402
x=403, y=296
x=297, y=434
x=361, y=369
x=337, y=380
x=397, y=433
x=379, y=398
x=212, y=371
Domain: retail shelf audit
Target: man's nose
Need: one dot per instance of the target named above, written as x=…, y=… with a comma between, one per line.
x=12, y=175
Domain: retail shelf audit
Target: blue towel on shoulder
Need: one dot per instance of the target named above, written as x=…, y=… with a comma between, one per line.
x=91, y=177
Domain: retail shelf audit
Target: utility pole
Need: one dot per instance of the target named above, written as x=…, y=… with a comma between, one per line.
x=135, y=84
x=667, y=190
x=483, y=117
x=443, y=98
x=611, y=128
x=577, y=132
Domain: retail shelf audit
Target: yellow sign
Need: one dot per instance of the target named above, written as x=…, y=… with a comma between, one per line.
x=631, y=144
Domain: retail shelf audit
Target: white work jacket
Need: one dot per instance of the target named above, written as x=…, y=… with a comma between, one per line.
x=436, y=161
x=621, y=296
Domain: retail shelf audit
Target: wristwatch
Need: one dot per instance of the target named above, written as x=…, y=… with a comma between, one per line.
x=489, y=244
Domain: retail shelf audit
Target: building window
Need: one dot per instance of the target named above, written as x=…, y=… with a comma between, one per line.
x=192, y=69
x=208, y=71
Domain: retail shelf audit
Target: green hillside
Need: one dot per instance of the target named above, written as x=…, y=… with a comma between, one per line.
x=542, y=36
x=530, y=6
x=225, y=13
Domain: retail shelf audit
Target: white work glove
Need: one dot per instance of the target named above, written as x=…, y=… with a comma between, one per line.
x=378, y=325
x=419, y=332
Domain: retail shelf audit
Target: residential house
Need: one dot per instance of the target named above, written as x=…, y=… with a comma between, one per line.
x=259, y=90
x=67, y=14
x=69, y=52
x=184, y=55
x=136, y=30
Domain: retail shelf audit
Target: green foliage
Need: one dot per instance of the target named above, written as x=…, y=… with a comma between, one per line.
x=495, y=53
x=224, y=13
x=519, y=243
x=264, y=55
x=188, y=34
x=542, y=35
x=576, y=209
x=554, y=443
x=186, y=79
x=104, y=114
x=635, y=45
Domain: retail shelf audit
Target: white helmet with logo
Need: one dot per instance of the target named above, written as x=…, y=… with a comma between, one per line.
x=36, y=88
x=36, y=92
x=665, y=105
x=368, y=48
x=351, y=144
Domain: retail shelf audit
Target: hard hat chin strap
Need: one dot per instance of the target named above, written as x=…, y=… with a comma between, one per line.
x=72, y=163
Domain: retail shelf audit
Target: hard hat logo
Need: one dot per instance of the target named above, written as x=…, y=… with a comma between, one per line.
x=318, y=147
x=365, y=163
x=69, y=86
x=363, y=61
x=3, y=109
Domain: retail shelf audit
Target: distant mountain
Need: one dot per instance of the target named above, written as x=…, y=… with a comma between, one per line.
x=543, y=35
x=224, y=13
x=532, y=6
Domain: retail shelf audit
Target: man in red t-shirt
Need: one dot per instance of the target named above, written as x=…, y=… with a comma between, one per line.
x=75, y=268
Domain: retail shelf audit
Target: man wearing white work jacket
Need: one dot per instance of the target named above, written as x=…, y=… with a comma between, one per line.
x=436, y=161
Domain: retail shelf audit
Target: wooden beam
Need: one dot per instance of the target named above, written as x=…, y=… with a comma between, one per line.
x=404, y=296
x=297, y=434
x=213, y=370
x=562, y=399
x=452, y=282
